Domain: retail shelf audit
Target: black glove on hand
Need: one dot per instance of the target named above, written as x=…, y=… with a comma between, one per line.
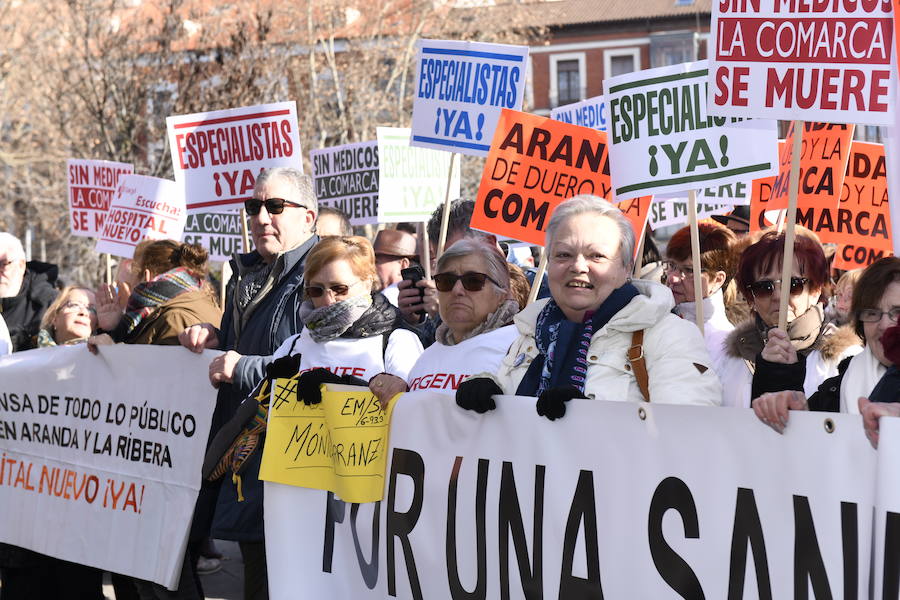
x=308, y=384
x=475, y=394
x=552, y=402
x=284, y=367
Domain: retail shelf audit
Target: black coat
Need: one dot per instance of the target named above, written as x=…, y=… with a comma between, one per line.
x=23, y=312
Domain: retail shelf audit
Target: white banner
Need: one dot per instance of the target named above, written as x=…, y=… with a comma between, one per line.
x=218, y=155
x=102, y=454
x=814, y=61
x=144, y=208
x=591, y=113
x=346, y=177
x=615, y=500
x=461, y=87
x=412, y=181
x=662, y=139
x=674, y=211
x=887, y=511
x=219, y=232
x=92, y=185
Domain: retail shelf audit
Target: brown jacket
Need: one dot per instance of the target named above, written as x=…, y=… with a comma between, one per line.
x=162, y=326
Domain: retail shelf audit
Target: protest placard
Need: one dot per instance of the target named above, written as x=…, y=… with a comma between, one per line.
x=823, y=60
x=102, y=454
x=219, y=232
x=536, y=163
x=218, y=155
x=674, y=211
x=412, y=181
x=92, y=184
x=735, y=194
x=338, y=445
x=346, y=177
x=587, y=113
x=461, y=87
x=662, y=140
x=654, y=501
x=144, y=208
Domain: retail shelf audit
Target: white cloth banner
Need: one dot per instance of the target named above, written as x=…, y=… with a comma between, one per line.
x=639, y=501
x=92, y=185
x=102, y=454
x=887, y=511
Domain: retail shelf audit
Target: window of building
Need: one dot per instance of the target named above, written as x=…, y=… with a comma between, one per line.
x=618, y=61
x=672, y=49
x=568, y=82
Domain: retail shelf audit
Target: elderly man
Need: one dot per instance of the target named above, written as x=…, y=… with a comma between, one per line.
x=263, y=299
x=26, y=290
x=332, y=221
x=394, y=251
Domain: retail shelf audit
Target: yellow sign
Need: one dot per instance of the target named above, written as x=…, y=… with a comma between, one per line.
x=339, y=445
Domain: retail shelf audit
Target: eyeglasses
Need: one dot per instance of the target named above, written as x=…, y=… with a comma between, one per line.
x=338, y=289
x=873, y=315
x=471, y=281
x=766, y=287
x=274, y=206
x=676, y=269
x=70, y=307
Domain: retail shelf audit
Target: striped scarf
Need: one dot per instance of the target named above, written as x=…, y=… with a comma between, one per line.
x=147, y=296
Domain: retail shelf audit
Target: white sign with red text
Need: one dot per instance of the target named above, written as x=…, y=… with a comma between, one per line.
x=218, y=155
x=144, y=208
x=92, y=184
x=816, y=60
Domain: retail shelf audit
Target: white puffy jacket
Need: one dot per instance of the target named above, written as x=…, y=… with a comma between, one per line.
x=678, y=364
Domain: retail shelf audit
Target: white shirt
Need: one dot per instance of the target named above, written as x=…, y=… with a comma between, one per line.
x=392, y=293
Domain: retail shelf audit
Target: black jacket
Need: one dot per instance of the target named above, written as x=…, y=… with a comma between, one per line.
x=23, y=312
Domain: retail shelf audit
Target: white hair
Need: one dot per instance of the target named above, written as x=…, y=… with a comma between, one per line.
x=585, y=203
x=14, y=249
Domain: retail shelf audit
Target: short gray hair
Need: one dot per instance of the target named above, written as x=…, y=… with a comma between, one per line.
x=495, y=264
x=300, y=182
x=585, y=203
x=13, y=246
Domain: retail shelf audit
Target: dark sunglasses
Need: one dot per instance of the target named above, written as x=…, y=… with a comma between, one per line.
x=766, y=287
x=339, y=289
x=473, y=282
x=274, y=206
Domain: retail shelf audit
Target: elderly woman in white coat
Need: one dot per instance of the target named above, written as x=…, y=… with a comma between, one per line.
x=600, y=335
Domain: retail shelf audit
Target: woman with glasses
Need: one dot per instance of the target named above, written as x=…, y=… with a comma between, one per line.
x=600, y=335
x=874, y=308
x=350, y=333
x=760, y=356
x=476, y=309
x=717, y=264
x=70, y=319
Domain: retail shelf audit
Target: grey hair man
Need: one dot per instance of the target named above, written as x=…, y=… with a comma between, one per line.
x=26, y=290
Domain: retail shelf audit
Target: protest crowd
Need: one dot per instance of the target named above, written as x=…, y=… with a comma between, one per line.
x=602, y=310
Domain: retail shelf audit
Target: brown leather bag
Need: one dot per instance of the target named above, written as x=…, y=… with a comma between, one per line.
x=635, y=356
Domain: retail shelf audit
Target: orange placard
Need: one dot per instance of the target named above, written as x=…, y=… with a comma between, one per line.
x=761, y=198
x=534, y=164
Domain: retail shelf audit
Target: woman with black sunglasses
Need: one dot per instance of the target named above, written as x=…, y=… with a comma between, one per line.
x=476, y=309
x=762, y=358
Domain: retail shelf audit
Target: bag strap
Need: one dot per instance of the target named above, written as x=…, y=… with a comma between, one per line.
x=635, y=356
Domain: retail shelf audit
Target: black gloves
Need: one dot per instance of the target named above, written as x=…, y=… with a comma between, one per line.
x=308, y=384
x=284, y=367
x=475, y=394
x=552, y=402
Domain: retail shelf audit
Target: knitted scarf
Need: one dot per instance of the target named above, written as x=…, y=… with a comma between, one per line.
x=329, y=322
x=804, y=331
x=563, y=344
x=148, y=296
x=499, y=318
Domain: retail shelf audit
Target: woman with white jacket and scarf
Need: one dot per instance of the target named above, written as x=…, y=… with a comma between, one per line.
x=600, y=335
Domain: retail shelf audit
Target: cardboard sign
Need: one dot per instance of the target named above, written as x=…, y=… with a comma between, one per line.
x=92, y=184
x=412, y=181
x=855, y=256
x=346, y=177
x=810, y=60
x=662, y=504
x=591, y=113
x=219, y=232
x=735, y=194
x=674, y=211
x=145, y=208
x=536, y=163
x=461, y=87
x=338, y=445
x=102, y=454
x=662, y=139
x=218, y=155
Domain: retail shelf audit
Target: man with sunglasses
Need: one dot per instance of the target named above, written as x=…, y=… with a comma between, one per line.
x=262, y=304
x=26, y=291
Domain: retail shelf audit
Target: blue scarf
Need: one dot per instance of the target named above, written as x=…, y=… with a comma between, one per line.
x=563, y=345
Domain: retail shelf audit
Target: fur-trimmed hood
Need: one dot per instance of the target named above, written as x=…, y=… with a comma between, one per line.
x=745, y=341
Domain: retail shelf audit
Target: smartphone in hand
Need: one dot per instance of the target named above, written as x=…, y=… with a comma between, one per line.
x=414, y=274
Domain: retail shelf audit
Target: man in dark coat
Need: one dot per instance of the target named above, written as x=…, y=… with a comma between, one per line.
x=26, y=290
x=261, y=311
